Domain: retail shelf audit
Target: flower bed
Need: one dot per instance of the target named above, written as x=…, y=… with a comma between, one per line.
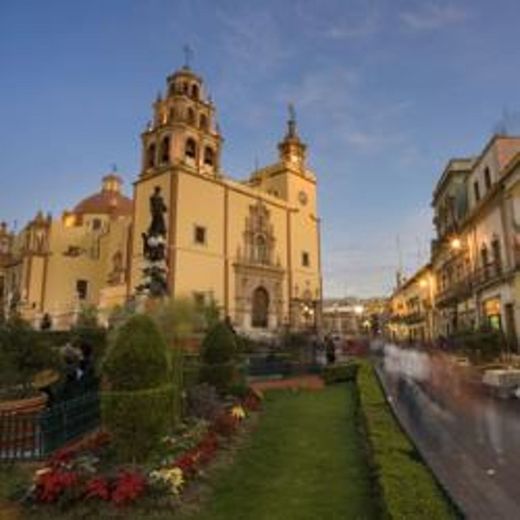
x=84, y=473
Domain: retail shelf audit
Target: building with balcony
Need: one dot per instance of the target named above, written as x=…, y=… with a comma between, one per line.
x=475, y=253
x=412, y=308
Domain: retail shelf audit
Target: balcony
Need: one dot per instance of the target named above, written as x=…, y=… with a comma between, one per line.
x=488, y=274
x=473, y=281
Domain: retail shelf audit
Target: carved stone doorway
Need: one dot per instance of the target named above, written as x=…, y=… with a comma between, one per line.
x=260, y=314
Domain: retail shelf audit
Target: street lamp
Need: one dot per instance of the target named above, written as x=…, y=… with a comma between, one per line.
x=358, y=309
x=456, y=244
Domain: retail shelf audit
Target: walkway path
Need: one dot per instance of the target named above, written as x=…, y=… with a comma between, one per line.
x=471, y=443
x=310, y=382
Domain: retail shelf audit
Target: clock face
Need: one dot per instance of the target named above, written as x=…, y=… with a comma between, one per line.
x=302, y=197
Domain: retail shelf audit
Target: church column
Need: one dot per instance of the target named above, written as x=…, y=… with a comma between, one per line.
x=226, y=251
x=289, y=270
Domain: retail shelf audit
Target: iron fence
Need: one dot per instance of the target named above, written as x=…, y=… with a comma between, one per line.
x=34, y=435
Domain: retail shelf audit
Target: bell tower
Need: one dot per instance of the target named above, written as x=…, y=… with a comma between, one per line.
x=183, y=131
x=292, y=150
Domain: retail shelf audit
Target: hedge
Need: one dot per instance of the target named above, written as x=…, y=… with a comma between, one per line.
x=408, y=487
x=138, y=419
x=340, y=372
x=144, y=383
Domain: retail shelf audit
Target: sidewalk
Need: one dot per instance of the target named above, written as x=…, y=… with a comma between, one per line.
x=309, y=382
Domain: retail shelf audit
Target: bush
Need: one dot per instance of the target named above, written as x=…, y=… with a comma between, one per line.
x=219, y=345
x=24, y=353
x=141, y=403
x=408, y=487
x=481, y=345
x=190, y=371
x=137, y=420
x=137, y=360
x=340, y=373
x=219, y=355
x=223, y=376
x=202, y=402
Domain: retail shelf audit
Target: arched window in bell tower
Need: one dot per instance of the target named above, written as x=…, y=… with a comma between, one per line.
x=203, y=122
x=190, y=116
x=194, y=94
x=209, y=156
x=150, y=156
x=191, y=148
x=165, y=149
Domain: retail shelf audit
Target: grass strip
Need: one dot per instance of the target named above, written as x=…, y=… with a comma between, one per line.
x=408, y=487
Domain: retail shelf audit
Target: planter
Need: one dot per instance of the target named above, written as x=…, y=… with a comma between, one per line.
x=19, y=427
x=29, y=405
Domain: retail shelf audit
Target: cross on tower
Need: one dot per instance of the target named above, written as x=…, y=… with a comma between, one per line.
x=292, y=121
x=188, y=55
x=292, y=112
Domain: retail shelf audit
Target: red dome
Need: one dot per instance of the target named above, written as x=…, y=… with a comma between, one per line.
x=109, y=201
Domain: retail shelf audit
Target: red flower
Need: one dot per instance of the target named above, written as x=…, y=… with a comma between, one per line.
x=62, y=456
x=187, y=462
x=50, y=485
x=128, y=487
x=97, y=487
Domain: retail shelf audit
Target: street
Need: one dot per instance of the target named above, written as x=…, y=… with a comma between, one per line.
x=470, y=440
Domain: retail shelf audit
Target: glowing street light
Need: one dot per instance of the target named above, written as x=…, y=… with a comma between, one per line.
x=456, y=244
x=358, y=309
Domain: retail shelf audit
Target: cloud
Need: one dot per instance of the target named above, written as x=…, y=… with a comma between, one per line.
x=331, y=20
x=252, y=38
x=433, y=16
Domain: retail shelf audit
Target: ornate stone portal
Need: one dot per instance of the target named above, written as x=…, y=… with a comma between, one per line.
x=259, y=277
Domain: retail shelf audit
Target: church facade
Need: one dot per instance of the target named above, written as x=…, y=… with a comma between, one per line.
x=252, y=247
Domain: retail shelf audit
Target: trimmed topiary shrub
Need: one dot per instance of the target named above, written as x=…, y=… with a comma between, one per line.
x=219, y=358
x=219, y=345
x=138, y=420
x=340, y=373
x=137, y=359
x=139, y=405
x=222, y=376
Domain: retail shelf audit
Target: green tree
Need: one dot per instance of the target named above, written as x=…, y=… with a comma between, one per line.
x=138, y=407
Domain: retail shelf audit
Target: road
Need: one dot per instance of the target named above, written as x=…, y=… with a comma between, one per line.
x=469, y=439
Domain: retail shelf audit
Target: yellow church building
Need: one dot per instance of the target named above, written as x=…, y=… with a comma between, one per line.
x=252, y=247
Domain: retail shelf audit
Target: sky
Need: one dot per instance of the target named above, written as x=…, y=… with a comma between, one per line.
x=385, y=92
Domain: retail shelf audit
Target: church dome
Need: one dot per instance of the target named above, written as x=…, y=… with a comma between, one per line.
x=109, y=201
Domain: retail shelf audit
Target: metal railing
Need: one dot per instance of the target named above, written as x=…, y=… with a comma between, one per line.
x=34, y=435
x=473, y=280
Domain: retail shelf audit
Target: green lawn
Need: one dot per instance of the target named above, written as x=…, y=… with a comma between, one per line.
x=305, y=462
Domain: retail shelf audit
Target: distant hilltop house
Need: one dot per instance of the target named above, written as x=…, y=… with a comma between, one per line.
x=252, y=247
